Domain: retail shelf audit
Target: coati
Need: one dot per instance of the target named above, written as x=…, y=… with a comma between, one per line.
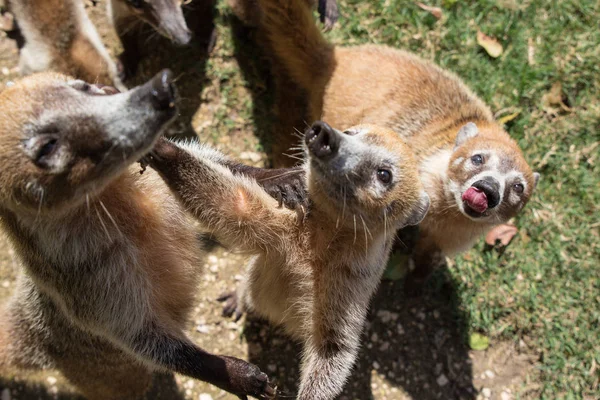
x=57, y=35
x=474, y=173
x=314, y=273
x=110, y=258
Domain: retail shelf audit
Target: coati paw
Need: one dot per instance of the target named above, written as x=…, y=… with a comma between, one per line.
x=230, y=308
x=247, y=379
x=288, y=188
x=329, y=13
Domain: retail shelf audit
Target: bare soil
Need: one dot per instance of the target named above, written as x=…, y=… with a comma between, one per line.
x=413, y=348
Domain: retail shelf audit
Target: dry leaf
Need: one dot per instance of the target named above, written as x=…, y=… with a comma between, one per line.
x=491, y=45
x=7, y=22
x=435, y=11
x=501, y=235
x=509, y=117
x=555, y=97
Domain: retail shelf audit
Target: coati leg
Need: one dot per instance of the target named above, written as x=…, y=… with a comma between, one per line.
x=229, y=204
x=329, y=13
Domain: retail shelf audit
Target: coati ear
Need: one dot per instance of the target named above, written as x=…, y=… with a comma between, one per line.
x=465, y=133
x=536, y=179
x=419, y=211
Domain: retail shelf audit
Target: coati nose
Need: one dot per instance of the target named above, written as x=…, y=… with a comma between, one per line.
x=322, y=140
x=491, y=188
x=163, y=90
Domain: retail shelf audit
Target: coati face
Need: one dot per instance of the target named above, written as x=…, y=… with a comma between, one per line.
x=488, y=176
x=63, y=139
x=165, y=16
x=366, y=171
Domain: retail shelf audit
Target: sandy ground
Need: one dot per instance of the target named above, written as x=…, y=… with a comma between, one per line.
x=413, y=348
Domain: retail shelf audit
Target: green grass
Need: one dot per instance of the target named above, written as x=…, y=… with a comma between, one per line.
x=545, y=290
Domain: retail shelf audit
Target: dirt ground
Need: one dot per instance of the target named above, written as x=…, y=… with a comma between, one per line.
x=413, y=348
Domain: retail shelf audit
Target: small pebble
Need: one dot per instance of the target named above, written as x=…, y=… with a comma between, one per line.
x=5, y=284
x=51, y=380
x=203, y=328
x=490, y=374
x=376, y=365
x=272, y=367
x=486, y=392
x=442, y=380
x=5, y=71
x=213, y=259
x=505, y=396
x=205, y=396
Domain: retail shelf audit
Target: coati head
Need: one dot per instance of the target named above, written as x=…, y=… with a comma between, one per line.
x=63, y=139
x=165, y=16
x=488, y=175
x=366, y=171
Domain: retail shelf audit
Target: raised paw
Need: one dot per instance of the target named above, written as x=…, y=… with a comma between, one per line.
x=288, y=187
x=230, y=308
x=247, y=379
x=329, y=13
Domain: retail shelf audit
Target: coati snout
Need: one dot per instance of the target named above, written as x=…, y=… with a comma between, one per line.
x=75, y=137
x=488, y=178
x=165, y=16
x=364, y=169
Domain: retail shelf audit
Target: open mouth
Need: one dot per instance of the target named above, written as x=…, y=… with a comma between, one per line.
x=475, y=202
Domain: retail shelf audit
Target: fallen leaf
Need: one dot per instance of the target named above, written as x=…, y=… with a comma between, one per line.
x=509, y=117
x=7, y=22
x=479, y=342
x=501, y=234
x=555, y=97
x=435, y=11
x=490, y=45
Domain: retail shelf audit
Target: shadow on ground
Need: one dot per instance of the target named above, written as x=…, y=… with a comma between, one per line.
x=417, y=345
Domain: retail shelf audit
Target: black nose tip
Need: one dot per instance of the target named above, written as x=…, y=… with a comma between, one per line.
x=491, y=188
x=322, y=140
x=163, y=90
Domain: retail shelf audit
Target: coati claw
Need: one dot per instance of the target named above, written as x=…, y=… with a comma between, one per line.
x=231, y=305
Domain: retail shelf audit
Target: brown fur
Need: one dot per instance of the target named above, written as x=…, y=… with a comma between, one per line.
x=110, y=260
x=58, y=36
x=314, y=275
x=421, y=102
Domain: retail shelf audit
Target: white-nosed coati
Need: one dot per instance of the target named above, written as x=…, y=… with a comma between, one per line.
x=57, y=35
x=473, y=171
x=314, y=273
x=110, y=258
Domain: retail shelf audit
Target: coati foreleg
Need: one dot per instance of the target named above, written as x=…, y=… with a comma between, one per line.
x=227, y=204
x=339, y=311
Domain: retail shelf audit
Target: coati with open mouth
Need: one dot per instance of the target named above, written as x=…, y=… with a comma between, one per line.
x=474, y=173
x=110, y=260
x=57, y=35
x=315, y=273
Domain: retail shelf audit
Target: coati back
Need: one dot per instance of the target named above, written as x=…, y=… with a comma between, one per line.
x=57, y=35
x=474, y=172
x=314, y=273
x=110, y=260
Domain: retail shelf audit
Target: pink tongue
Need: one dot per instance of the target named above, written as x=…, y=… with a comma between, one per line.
x=476, y=199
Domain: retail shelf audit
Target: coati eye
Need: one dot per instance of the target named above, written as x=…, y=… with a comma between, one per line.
x=46, y=150
x=350, y=132
x=384, y=175
x=477, y=159
x=136, y=3
x=518, y=187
